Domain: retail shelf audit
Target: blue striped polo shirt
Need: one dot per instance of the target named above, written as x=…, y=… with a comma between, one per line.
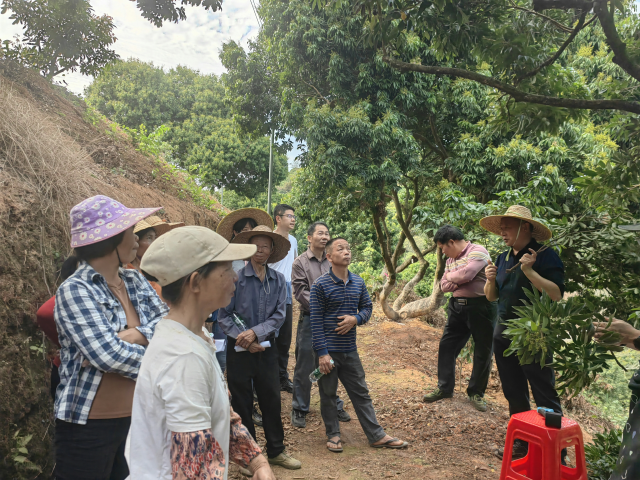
x=331, y=298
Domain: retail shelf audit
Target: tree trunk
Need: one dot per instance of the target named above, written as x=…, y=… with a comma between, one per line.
x=430, y=305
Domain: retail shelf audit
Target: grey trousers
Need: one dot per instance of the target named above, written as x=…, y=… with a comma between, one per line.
x=305, y=364
x=348, y=369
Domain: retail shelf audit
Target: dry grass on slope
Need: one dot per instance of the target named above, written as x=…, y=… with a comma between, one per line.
x=51, y=159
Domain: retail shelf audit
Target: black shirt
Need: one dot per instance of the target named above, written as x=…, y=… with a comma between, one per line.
x=511, y=285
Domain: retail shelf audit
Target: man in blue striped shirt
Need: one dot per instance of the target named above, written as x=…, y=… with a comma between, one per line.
x=340, y=302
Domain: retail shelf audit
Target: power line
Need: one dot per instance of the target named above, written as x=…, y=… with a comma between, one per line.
x=255, y=11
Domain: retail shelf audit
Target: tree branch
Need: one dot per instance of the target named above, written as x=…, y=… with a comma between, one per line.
x=557, y=24
x=517, y=95
x=403, y=226
x=434, y=131
x=618, y=47
x=317, y=91
x=562, y=4
x=413, y=259
x=555, y=56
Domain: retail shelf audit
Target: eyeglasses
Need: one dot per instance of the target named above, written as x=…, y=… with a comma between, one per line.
x=292, y=217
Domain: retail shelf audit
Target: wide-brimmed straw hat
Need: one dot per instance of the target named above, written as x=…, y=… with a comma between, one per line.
x=540, y=231
x=281, y=245
x=159, y=225
x=98, y=218
x=225, y=227
x=184, y=250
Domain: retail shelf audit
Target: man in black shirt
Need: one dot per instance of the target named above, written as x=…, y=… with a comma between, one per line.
x=522, y=267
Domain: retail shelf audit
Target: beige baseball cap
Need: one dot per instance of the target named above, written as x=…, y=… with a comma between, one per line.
x=182, y=251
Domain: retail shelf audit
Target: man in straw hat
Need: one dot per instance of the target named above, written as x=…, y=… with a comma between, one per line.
x=250, y=321
x=148, y=230
x=525, y=265
x=235, y=223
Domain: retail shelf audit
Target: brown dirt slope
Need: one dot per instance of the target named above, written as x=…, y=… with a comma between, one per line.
x=50, y=159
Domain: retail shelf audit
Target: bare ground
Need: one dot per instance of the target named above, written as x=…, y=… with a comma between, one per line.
x=448, y=439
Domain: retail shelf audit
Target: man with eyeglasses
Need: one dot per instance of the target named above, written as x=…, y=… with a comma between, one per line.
x=285, y=221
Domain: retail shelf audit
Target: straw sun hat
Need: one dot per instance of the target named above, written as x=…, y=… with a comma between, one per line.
x=159, y=225
x=540, y=231
x=281, y=245
x=225, y=227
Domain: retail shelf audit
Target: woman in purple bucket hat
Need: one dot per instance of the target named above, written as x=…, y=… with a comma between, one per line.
x=105, y=316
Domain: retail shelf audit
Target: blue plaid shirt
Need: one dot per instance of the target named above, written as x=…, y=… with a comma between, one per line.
x=88, y=318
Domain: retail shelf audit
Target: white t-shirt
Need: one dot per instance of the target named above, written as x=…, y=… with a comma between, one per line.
x=285, y=265
x=180, y=388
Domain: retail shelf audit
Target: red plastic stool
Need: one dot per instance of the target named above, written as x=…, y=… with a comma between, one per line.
x=543, y=461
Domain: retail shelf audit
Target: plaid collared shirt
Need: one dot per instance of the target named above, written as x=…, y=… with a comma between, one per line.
x=88, y=318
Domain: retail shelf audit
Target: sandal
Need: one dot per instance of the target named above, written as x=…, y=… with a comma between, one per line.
x=388, y=443
x=338, y=448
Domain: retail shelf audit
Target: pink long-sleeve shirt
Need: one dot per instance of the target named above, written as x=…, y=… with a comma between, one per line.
x=464, y=275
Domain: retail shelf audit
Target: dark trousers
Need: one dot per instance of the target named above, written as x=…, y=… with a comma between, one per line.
x=246, y=371
x=477, y=318
x=348, y=369
x=514, y=378
x=305, y=364
x=283, y=343
x=94, y=451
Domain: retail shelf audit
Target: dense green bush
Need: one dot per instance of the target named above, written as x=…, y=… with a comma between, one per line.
x=602, y=454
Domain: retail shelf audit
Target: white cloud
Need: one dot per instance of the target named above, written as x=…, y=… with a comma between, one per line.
x=194, y=43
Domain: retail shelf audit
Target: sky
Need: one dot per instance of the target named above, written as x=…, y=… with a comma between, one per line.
x=194, y=42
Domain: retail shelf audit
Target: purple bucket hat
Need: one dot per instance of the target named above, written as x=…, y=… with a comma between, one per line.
x=98, y=218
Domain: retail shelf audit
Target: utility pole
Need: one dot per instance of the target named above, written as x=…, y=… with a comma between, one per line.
x=270, y=171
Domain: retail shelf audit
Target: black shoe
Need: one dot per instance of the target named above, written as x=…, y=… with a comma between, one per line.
x=298, y=419
x=343, y=416
x=286, y=385
x=520, y=450
x=256, y=416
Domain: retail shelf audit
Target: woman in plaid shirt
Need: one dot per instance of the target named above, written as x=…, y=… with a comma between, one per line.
x=105, y=316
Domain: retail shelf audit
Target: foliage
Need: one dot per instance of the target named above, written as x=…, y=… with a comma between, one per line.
x=214, y=149
x=187, y=111
x=159, y=11
x=602, y=454
x=60, y=36
x=564, y=331
x=133, y=93
x=610, y=392
x=19, y=454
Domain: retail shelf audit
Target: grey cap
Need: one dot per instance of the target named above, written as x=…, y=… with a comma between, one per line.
x=182, y=251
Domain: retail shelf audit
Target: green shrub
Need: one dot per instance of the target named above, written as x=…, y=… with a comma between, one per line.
x=602, y=454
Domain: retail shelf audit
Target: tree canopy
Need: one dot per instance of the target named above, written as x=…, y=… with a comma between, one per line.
x=60, y=36
x=197, y=123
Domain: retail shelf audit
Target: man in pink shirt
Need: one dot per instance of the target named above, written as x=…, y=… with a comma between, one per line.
x=469, y=314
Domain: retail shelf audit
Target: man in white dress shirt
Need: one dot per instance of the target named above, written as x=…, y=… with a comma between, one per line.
x=285, y=220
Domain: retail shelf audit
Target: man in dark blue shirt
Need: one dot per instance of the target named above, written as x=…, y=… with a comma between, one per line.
x=339, y=303
x=523, y=266
x=252, y=358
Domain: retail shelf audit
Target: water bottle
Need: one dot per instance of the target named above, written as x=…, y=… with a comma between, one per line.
x=239, y=322
x=316, y=374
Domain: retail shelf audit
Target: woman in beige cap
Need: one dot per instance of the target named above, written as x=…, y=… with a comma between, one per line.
x=182, y=423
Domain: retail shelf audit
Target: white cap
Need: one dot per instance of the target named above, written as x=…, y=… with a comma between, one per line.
x=182, y=251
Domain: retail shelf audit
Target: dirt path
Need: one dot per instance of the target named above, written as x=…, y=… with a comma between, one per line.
x=449, y=439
